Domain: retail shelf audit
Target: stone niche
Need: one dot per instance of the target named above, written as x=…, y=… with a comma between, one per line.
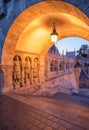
x=40, y=74
x=29, y=74
x=25, y=73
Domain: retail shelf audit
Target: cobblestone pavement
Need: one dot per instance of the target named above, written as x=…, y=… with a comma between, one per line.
x=60, y=112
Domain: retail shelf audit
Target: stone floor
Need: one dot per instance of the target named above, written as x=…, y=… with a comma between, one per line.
x=59, y=112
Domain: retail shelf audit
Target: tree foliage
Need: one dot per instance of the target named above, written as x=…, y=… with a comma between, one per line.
x=84, y=49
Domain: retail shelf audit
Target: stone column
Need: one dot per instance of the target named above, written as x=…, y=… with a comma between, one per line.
x=77, y=74
x=47, y=66
x=58, y=64
x=42, y=76
x=64, y=65
x=7, y=70
x=1, y=80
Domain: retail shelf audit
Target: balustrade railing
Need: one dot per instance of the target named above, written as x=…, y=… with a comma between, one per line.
x=63, y=66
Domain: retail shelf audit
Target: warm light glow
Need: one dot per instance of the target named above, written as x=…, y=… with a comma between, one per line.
x=54, y=34
x=37, y=34
x=54, y=38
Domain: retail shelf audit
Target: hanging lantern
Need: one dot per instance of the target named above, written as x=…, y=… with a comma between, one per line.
x=54, y=35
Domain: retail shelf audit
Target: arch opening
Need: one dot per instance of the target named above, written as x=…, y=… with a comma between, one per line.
x=32, y=30
x=70, y=44
x=29, y=35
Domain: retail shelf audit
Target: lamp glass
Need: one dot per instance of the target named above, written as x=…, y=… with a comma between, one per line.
x=54, y=38
x=54, y=35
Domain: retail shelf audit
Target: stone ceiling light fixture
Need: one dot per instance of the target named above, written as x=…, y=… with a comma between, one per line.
x=54, y=35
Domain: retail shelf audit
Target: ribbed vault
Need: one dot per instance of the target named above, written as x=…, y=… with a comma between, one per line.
x=30, y=32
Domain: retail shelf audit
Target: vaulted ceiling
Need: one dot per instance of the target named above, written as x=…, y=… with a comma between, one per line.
x=30, y=32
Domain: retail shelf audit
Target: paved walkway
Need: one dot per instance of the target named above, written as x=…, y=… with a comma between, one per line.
x=59, y=112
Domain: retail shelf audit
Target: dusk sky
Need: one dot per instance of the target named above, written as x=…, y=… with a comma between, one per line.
x=70, y=44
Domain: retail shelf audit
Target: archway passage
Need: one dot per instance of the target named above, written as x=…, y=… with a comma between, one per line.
x=30, y=33
x=32, y=28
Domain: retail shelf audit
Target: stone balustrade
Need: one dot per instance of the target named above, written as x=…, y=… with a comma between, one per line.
x=58, y=65
x=25, y=75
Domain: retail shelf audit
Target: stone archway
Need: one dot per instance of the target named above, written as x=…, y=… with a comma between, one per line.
x=32, y=29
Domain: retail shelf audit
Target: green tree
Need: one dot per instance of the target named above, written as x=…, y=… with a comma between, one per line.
x=83, y=50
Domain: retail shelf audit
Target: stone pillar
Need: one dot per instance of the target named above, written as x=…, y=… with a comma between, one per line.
x=47, y=66
x=64, y=65
x=77, y=74
x=22, y=72
x=1, y=80
x=42, y=70
x=7, y=69
x=58, y=64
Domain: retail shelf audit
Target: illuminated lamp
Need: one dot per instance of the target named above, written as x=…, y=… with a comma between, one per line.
x=54, y=35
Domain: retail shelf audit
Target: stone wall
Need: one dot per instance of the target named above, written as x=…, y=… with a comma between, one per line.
x=84, y=75
x=15, y=7
x=23, y=73
x=33, y=75
x=61, y=84
x=83, y=5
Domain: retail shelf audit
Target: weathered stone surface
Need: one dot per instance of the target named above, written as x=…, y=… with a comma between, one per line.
x=27, y=34
x=14, y=8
